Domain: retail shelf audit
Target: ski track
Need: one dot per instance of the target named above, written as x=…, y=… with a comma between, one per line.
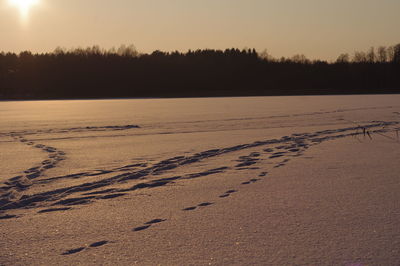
x=14, y=193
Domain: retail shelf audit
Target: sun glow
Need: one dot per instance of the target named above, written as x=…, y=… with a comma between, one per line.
x=23, y=5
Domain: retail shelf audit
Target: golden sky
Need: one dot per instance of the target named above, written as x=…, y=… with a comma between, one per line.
x=317, y=28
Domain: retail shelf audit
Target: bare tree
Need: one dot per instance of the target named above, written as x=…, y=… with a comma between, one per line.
x=59, y=51
x=371, y=55
x=382, y=55
x=360, y=57
x=128, y=51
x=343, y=59
x=396, y=55
x=266, y=56
x=300, y=58
x=390, y=53
x=94, y=50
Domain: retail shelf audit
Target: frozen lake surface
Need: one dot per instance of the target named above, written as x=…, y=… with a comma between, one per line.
x=72, y=160
x=108, y=133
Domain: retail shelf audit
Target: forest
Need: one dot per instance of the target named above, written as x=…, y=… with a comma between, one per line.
x=124, y=72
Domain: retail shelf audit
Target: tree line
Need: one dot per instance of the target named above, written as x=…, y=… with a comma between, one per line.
x=124, y=72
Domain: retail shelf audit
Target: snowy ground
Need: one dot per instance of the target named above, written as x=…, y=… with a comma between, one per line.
x=266, y=180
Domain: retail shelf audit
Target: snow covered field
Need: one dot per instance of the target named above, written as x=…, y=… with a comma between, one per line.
x=263, y=180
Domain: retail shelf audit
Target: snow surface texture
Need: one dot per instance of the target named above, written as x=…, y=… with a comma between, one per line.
x=202, y=181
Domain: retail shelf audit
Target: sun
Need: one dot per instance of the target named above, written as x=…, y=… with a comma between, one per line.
x=23, y=5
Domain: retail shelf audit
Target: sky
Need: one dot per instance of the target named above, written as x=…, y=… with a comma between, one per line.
x=319, y=29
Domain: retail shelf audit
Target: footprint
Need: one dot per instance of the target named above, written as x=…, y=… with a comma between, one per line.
x=205, y=204
x=8, y=217
x=281, y=147
x=98, y=244
x=190, y=209
x=33, y=175
x=73, y=251
x=16, y=178
x=140, y=228
x=156, y=221
x=228, y=193
x=31, y=170
x=246, y=163
x=112, y=196
x=250, y=181
x=54, y=210
x=74, y=201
